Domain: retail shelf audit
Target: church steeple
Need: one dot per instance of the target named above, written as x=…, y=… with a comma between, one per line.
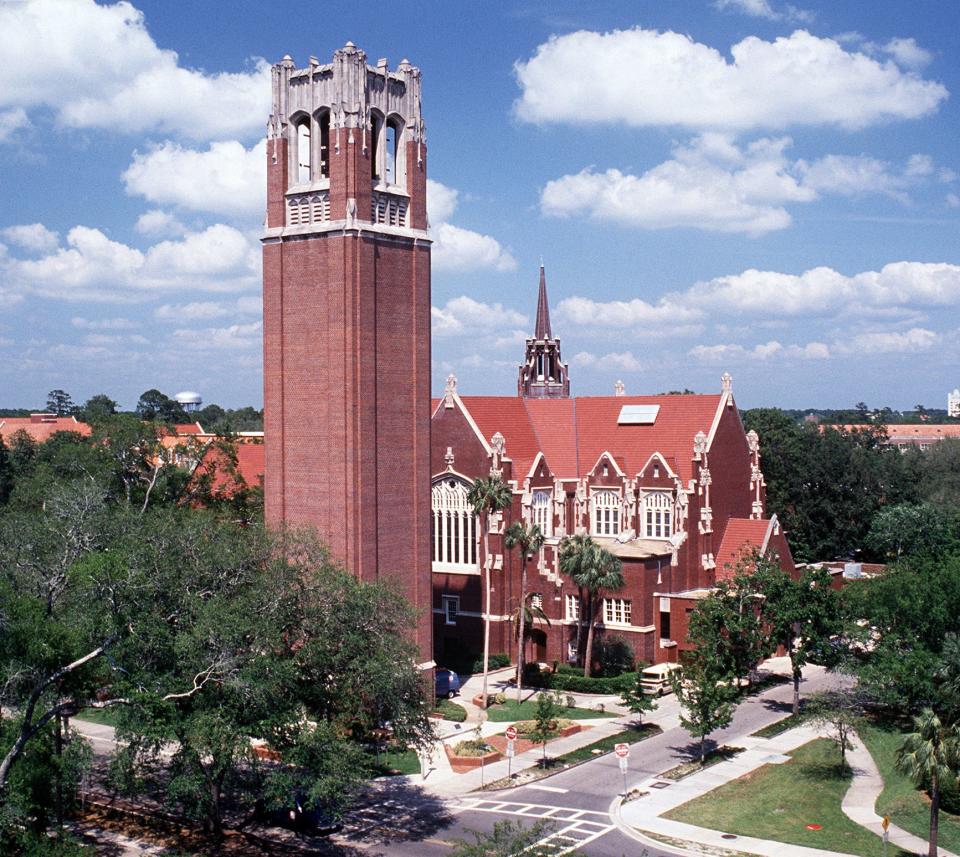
x=542, y=374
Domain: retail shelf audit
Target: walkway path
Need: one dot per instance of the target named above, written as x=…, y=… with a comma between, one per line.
x=861, y=798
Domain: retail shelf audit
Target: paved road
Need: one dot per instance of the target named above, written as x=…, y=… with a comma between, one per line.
x=407, y=822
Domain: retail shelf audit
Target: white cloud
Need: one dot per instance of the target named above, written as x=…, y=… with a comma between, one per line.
x=104, y=323
x=159, y=224
x=587, y=312
x=94, y=267
x=118, y=78
x=236, y=337
x=441, y=201
x=851, y=175
x=762, y=351
x=207, y=310
x=908, y=53
x=12, y=121
x=464, y=314
x=624, y=360
x=456, y=249
x=32, y=237
x=226, y=179
x=763, y=9
x=644, y=78
x=953, y=200
x=946, y=175
x=919, y=165
x=709, y=184
x=887, y=342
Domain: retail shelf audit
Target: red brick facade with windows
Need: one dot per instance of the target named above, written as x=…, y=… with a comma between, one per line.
x=346, y=299
x=670, y=484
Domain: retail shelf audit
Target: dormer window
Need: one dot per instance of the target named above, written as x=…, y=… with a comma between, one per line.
x=541, y=512
x=606, y=512
x=658, y=515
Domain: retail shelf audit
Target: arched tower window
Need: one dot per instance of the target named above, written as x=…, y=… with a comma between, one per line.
x=323, y=159
x=542, y=512
x=454, y=532
x=303, y=151
x=395, y=167
x=605, y=505
x=657, y=515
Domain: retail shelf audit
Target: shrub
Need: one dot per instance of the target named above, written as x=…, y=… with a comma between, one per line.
x=472, y=747
x=500, y=698
x=615, y=655
x=574, y=681
x=495, y=662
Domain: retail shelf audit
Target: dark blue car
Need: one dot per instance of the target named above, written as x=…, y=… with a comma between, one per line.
x=446, y=684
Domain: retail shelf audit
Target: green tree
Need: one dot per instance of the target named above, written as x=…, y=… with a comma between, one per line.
x=545, y=721
x=575, y=554
x=705, y=694
x=940, y=474
x=527, y=541
x=98, y=408
x=842, y=712
x=158, y=407
x=802, y=615
x=636, y=700
x=919, y=530
x=930, y=756
x=60, y=403
x=6, y=474
x=487, y=497
x=595, y=571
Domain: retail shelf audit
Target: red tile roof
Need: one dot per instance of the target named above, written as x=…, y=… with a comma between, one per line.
x=741, y=536
x=573, y=433
x=40, y=426
x=914, y=432
x=250, y=466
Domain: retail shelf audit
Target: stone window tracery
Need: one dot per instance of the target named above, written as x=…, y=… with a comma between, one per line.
x=657, y=515
x=454, y=531
x=605, y=508
x=541, y=510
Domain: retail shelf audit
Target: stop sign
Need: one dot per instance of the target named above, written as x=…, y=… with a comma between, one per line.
x=512, y=733
x=622, y=751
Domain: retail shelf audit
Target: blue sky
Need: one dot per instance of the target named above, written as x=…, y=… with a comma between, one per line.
x=765, y=188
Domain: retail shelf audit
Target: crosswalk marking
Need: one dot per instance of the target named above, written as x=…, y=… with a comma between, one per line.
x=579, y=826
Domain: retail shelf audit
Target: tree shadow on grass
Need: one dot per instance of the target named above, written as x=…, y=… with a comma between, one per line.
x=824, y=772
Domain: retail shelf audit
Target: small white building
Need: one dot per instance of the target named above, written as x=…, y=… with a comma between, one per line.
x=953, y=403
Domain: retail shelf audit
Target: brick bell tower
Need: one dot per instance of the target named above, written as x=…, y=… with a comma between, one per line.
x=346, y=318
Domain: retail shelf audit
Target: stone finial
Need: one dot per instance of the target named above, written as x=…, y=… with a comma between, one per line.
x=726, y=382
x=450, y=390
x=448, y=458
x=619, y=389
x=287, y=61
x=499, y=444
x=753, y=441
x=314, y=61
x=699, y=444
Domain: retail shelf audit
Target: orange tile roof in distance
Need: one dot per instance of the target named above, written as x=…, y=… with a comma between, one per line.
x=39, y=430
x=573, y=433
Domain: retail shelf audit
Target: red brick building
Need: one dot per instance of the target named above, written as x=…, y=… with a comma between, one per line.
x=671, y=484
x=346, y=317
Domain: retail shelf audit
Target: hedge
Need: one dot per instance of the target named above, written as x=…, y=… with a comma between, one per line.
x=577, y=682
x=495, y=662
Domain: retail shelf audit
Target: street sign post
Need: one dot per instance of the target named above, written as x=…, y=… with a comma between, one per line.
x=885, y=824
x=511, y=733
x=623, y=754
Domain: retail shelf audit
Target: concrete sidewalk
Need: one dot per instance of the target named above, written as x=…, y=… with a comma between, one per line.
x=861, y=798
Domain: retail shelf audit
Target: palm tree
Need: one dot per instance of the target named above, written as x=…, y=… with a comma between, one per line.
x=486, y=496
x=575, y=552
x=528, y=540
x=930, y=756
x=595, y=570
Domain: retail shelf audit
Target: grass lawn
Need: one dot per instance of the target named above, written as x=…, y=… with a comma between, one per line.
x=780, y=726
x=451, y=710
x=907, y=807
x=393, y=762
x=778, y=801
x=605, y=745
x=103, y=716
x=527, y=710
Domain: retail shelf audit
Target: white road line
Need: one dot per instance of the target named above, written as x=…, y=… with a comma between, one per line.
x=549, y=789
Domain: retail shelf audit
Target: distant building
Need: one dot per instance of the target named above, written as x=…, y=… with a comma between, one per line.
x=953, y=403
x=189, y=401
x=906, y=435
x=40, y=426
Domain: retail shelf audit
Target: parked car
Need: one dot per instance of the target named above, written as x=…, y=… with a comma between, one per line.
x=655, y=680
x=446, y=683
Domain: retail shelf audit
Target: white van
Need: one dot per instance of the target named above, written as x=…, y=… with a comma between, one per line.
x=655, y=680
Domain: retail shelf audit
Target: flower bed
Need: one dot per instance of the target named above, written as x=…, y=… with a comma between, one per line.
x=465, y=758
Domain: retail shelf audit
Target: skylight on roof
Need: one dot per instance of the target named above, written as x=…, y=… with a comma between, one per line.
x=638, y=415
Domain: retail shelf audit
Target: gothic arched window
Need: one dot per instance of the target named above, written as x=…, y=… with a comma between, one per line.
x=657, y=515
x=542, y=512
x=605, y=505
x=323, y=159
x=454, y=531
x=303, y=151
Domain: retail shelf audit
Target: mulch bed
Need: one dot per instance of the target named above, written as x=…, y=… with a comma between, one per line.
x=521, y=745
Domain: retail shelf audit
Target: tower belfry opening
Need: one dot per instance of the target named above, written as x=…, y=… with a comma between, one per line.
x=543, y=374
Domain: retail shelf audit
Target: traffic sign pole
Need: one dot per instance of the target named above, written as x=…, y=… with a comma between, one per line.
x=511, y=734
x=623, y=754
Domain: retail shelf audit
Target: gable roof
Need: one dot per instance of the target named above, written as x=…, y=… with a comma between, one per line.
x=742, y=535
x=573, y=433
